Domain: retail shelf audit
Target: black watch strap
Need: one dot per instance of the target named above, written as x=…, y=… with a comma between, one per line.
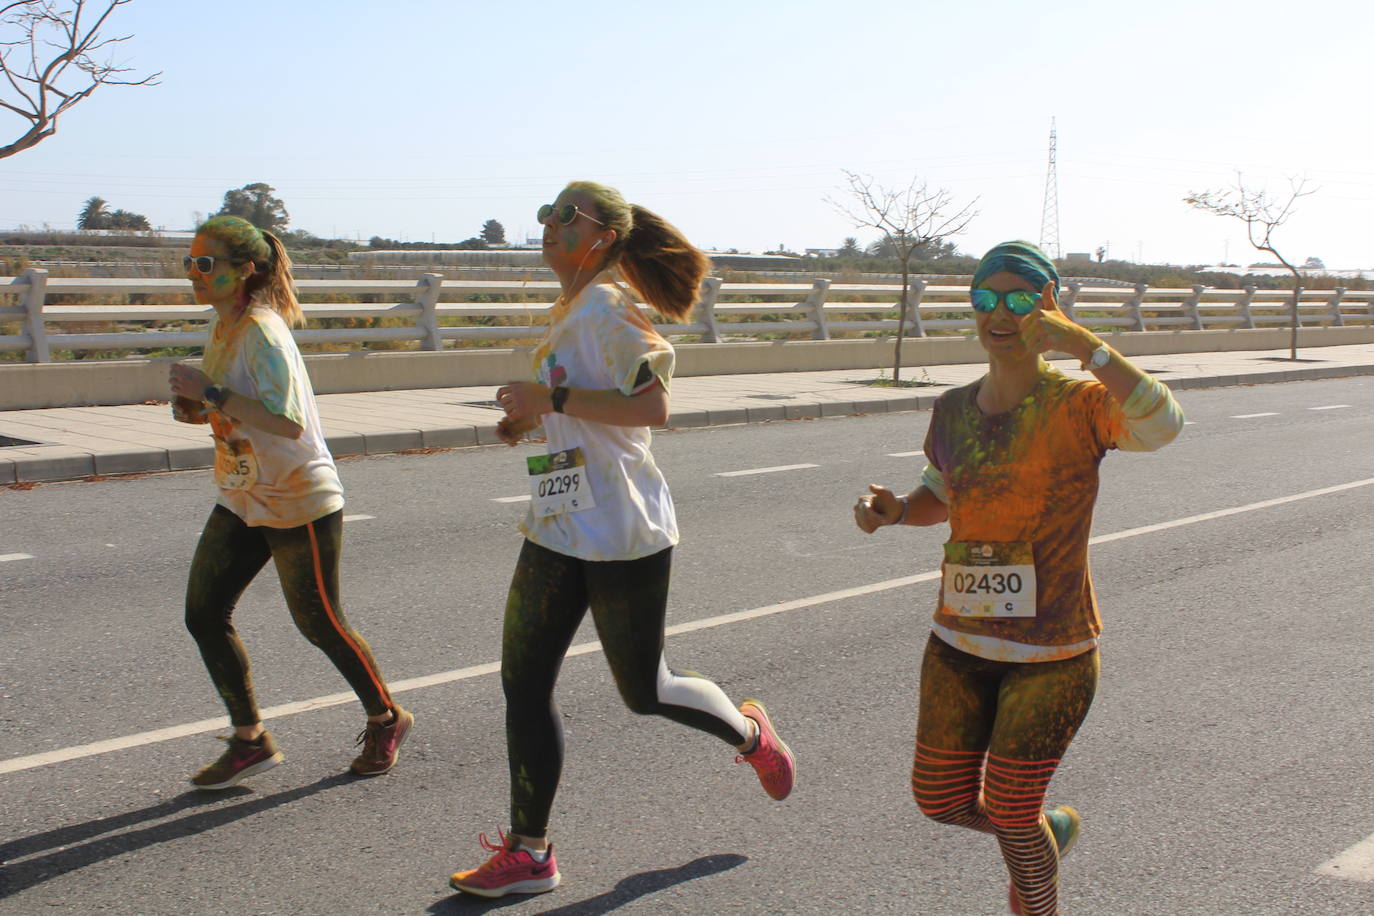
x=558, y=398
x=215, y=396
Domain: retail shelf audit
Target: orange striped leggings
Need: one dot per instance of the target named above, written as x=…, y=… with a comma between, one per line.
x=230, y=554
x=988, y=738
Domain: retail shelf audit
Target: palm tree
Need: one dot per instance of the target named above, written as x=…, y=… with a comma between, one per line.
x=93, y=215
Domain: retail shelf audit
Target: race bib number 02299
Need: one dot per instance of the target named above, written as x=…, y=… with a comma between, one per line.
x=989, y=579
x=558, y=483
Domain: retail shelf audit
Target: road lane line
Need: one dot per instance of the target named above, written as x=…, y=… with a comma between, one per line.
x=357, y=518
x=16, y=764
x=1251, y=416
x=1355, y=864
x=1329, y=407
x=511, y=499
x=904, y=454
x=772, y=470
x=7, y=557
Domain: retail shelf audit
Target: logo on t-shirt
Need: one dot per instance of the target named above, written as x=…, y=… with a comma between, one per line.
x=554, y=374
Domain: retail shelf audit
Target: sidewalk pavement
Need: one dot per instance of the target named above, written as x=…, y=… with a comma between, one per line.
x=70, y=443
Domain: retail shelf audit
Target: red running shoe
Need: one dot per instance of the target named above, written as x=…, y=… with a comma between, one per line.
x=771, y=758
x=239, y=761
x=511, y=870
x=382, y=744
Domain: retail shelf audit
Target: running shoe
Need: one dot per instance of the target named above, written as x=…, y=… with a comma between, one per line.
x=382, y=744
x=240, y=760
x=1065, y=825
x=510, y=870
x=771, y=758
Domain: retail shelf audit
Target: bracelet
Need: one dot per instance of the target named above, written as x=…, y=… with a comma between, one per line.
x=558, y=398
x=906, y=504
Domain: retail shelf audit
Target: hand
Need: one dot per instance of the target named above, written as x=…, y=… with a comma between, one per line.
x=511, y=431
x=188, y=381
x=875, y=511
x=525, y=401
x=1047, y=329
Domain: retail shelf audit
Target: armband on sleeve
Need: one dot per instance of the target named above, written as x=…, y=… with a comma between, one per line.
x=933, y=479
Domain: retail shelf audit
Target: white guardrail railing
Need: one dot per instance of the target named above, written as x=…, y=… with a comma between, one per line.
x=819, y=310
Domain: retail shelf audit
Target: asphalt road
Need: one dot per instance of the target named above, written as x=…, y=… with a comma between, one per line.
x=1225, y=759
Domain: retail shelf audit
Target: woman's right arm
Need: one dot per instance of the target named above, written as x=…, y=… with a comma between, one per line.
x=919, y=507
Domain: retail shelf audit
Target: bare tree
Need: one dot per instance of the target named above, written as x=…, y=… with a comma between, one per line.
x=911, y=218
x=1262, y=215
x=53, y=56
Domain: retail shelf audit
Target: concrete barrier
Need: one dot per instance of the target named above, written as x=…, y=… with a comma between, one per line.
x=84, y=383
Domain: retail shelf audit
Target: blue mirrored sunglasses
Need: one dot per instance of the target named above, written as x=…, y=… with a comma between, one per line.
x=1018, y=301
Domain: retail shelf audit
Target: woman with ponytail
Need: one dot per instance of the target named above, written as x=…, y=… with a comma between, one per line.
x=279, y=496
x=601, y=529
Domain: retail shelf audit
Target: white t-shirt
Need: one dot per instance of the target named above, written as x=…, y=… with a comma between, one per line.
x=601, y=341
x=272, y=480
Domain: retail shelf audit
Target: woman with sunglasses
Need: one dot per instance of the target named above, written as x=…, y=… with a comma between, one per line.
x=600, y=530
x=1011, y=666
x=279, y=496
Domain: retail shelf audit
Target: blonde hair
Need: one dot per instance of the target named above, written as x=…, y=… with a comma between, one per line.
x=271, y=282
x=653, y=256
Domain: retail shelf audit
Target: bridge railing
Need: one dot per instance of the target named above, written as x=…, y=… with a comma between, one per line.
x=38, y=316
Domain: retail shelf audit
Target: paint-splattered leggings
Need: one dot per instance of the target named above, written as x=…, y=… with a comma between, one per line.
x=549, y=595
x=227, y=558
x=988, y=739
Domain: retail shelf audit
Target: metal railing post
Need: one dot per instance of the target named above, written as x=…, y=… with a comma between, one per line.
x=1132, y=306
x=914, y=294
x=427, y=322
x=33, y=318
x=706, y=309
x=1334, y=303
x=1247, y=320
x=1190, y=307
x=815, y=307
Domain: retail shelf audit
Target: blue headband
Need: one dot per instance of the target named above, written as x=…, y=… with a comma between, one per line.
x=1020, y=258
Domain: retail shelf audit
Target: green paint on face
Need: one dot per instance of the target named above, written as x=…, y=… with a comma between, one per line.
x=571, y=239
x=223, y=280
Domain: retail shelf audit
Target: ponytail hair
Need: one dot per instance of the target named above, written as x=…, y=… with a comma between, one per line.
x=653, y=256
x=270, y=282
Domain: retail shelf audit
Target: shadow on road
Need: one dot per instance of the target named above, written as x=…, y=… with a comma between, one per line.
x=625, y=890
x=18, y=876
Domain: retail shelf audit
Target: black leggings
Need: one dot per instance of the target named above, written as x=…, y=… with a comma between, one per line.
x=549, y=594
x=227, y=558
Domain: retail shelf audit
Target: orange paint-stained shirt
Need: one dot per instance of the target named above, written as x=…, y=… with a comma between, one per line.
x=1030, y=475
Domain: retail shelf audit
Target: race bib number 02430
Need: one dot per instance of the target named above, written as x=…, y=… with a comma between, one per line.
x=989, y=579
x=558, y=483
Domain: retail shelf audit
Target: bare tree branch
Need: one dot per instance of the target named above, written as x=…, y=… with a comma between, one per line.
x=1262, y=215
x=46, y=85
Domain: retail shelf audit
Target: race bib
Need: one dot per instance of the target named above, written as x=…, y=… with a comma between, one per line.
x=558, y=483
x=989, y=579
x=236, y=464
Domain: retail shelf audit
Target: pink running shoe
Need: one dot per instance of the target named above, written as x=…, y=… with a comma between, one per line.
x=771, y=758
x=511, y=870
x=382, y=744
x=240, y=760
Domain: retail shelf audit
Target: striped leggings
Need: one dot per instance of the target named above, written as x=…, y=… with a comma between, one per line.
x=230, y=554
x=988, y=738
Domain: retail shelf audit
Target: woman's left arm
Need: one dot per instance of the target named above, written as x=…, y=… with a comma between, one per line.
x=190, y=382
x=530, y=400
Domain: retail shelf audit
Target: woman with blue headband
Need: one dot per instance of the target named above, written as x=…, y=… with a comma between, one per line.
x=1011, y=665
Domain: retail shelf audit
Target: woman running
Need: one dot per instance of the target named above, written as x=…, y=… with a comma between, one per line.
x=600, y=530
x=279, y=496
x=1012, y=664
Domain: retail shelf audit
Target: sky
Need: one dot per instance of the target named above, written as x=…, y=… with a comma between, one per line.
x=422, y=119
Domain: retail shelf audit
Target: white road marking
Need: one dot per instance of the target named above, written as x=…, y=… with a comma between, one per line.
x=1355, y=864
x=16, y=764
x=6, y=557
x=1189, y=423
x=1329, y=407
x=357, y=518
x=772, y=470
x=511, y=499
x=1251, y=416
x=904, y=454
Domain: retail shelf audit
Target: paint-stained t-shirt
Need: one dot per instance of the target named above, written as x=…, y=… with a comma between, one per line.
x=295, y=481
x=1030, y=475
x=600, y=340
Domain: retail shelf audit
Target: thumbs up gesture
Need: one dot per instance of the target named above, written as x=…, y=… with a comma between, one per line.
x=1047, y=329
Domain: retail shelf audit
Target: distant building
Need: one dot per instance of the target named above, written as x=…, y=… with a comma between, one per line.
x=1078, y=257
x=822, y=252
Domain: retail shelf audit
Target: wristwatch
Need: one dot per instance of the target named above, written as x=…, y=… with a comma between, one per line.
x=558, y=397
x=215, y=396
x=1099, y=358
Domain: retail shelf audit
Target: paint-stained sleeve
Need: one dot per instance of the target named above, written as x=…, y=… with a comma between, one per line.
x=1150, y=418
x=274, y=368
x=636, y=355
x=933, y=478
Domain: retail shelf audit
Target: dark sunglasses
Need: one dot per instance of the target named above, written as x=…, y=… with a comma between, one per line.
x=205, y=264
x=1018, y=301
x=566, y=214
